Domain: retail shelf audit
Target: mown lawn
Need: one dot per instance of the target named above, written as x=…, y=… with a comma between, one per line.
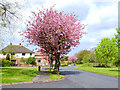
x=112, y=71
x=18, y=74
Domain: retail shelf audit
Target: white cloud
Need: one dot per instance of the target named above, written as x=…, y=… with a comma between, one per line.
x=107, y=33
x=96, y=14
x=96, y=37
x=95, y=17
x=60, y=3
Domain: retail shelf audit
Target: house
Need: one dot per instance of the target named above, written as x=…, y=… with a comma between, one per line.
x=41, y=60
x=17, y=51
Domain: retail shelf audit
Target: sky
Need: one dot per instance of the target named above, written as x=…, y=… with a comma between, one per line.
x=100, y=16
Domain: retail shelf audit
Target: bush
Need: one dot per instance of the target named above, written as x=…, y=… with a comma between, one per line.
x=89, y=58
x=80, y=56
x=78, y=62
x=5, y=63
x=116, y=63
x=65, y=58
x=63, y=63
x=8, y=57
x=23, y=60
x=86, y=59
x=31, y=60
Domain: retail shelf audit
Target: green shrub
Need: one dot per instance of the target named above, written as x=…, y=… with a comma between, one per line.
x=31, y=60
x=65, y=58
x=78, y=62
x=89, y=58
x=8, y=57
x=5, y=63
x=80, y=56
x=116, y=63
x=23, y=60
x=64, y=64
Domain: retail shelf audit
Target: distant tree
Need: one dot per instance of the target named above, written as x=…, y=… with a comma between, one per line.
x=72, y=59
x=8, y=57
x=86, y=58
x=89, y=58
x=31, y=60
x=9, y=13
x=9, y=51
x=106, y=51
x=116, y=38
x=80, y=56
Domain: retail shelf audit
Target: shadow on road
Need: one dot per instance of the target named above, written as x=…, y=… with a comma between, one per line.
x=69, y=72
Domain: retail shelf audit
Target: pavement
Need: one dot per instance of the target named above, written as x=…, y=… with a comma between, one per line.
x=74, y=79
x=41, y=77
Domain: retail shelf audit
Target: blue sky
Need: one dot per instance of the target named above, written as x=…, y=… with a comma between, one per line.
x=101, y=17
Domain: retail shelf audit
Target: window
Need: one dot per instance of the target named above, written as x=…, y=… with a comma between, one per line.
x=39, y=61
x=30, y=54
x=23, y=54
x=17, y=56
x=12, y=53
x=39, y=57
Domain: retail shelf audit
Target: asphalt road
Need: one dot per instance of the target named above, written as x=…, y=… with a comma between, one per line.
x=75, y=79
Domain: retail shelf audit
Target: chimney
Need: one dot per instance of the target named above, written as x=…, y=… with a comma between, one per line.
x=10, y=43
x=20, y=45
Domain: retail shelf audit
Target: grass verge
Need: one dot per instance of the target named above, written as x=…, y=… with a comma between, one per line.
x=54, y=76
x=112, y=71
x=18, y=74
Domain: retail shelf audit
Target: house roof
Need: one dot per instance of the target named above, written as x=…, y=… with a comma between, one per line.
x=16, y=49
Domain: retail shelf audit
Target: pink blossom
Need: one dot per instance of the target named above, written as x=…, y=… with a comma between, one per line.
x=72, y=59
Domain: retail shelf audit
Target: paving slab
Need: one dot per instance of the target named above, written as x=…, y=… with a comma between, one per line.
x=41, y=77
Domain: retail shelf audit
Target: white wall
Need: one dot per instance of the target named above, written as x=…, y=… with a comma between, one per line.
x=19, y=55
x=2, y=56
x=27, y=55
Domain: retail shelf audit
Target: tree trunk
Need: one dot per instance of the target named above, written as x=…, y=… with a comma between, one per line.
x=52, y=65
x=57, y=69
x=57, y=63
x=106, y=64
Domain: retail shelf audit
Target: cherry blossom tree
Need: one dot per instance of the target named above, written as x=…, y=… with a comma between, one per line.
x=72, y=59
x=54, y=32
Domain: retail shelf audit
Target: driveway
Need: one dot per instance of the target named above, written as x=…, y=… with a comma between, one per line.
x=75, y=79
